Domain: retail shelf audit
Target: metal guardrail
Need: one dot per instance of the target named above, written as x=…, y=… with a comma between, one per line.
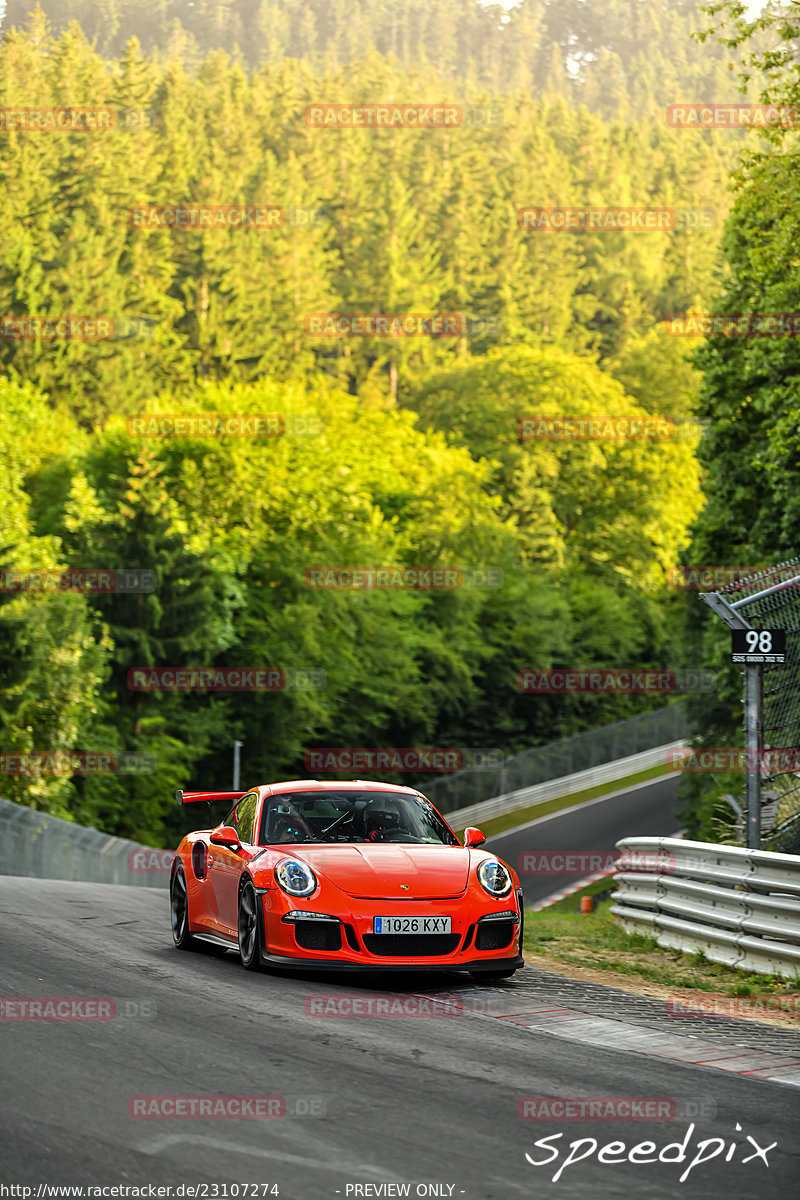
x=554, y=789
x=46, y=847
x=738, y=906
x=590, y=748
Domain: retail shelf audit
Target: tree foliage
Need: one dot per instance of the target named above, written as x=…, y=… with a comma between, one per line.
x=749, y=400
x=397, y=451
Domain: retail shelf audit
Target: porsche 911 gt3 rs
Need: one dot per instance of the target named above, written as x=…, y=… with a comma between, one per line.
x=349, y=876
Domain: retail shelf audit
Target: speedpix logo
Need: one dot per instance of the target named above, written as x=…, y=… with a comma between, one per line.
x=647, y=1152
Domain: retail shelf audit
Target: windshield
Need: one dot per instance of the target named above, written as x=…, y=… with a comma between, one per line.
x=351, y=816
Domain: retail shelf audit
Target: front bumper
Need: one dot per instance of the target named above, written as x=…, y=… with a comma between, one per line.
x=381, y=965
x=481, y=940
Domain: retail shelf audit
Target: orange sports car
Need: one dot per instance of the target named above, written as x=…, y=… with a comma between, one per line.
x=349, y=876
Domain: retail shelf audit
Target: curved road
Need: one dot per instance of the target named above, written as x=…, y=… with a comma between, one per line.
x=590, y=829
x=429, y=1101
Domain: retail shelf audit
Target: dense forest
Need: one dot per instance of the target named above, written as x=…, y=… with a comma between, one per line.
x=618, y=57
x=396, y=451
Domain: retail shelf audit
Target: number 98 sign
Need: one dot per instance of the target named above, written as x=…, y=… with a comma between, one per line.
x=758, y=646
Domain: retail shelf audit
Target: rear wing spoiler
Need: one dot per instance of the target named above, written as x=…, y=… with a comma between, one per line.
x=191, y=797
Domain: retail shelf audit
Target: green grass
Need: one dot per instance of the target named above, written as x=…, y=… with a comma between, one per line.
x=595, y=940
x=570, y=904
x=520, y=815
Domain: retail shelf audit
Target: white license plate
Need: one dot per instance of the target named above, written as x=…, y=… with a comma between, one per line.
x=411, y=924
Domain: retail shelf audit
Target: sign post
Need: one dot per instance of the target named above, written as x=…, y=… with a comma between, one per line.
x=753, y=717
x=236, y=762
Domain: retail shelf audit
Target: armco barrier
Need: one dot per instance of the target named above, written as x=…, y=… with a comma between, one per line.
x=555, y=760
x=740, y=907
x=34, y=843
x=554, y=789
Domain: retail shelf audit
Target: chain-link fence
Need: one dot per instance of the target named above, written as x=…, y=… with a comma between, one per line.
x=578, y=753
x=40, y=845
x=34, y=843
x=778, y=610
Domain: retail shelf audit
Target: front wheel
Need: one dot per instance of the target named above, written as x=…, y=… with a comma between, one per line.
x=179, y=911
x=249, y=929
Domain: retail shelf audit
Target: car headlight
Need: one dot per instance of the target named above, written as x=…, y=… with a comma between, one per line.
x=494, y=878
x=295, y=877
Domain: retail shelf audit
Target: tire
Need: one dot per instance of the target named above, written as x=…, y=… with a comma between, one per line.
x=179, y=911
x=249, y=928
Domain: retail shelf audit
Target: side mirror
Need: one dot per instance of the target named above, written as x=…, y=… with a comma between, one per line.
x=473, y=837
x=225, y=835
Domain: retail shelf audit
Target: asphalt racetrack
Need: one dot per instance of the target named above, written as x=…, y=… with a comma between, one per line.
x=589, y=829
x=428, y=1102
